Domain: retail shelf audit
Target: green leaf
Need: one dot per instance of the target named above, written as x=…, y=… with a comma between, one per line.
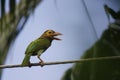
x=12, y=6
x=3, y=7
x=114, y=14
x=108, y=45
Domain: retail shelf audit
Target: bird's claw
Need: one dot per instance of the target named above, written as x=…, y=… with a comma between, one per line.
x=29, y=65
x=41, y=63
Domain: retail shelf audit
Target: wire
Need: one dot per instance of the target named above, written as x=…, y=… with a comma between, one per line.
x=63, y=62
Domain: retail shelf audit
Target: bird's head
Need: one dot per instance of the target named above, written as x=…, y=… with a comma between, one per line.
x=50, y=34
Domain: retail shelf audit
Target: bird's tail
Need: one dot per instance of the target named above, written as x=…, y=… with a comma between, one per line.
x=26, y=60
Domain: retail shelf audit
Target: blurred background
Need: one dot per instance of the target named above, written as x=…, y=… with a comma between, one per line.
x=80, y=21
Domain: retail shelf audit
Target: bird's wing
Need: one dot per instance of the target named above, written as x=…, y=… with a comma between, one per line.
x=37, y=45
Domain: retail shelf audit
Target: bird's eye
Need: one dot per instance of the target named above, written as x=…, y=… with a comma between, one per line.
x=49, y=32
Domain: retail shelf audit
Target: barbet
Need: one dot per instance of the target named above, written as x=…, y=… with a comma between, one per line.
x=40, y=45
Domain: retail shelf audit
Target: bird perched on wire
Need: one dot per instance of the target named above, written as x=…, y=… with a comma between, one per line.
x=38, y=46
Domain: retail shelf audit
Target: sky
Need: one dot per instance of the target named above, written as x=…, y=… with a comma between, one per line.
x=79, y=34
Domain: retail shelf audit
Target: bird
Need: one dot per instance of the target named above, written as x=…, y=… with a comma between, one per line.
x=39, y=46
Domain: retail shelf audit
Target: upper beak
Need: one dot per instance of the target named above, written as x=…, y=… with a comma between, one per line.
x=57, y=33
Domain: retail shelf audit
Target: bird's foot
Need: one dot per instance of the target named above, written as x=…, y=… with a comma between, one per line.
x=29, y=65
x=41, y=63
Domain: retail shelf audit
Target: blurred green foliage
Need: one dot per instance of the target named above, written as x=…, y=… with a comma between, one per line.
x=107, y=45
x=12, y=22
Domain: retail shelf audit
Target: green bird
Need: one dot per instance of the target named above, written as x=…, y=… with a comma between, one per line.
x=40, y=45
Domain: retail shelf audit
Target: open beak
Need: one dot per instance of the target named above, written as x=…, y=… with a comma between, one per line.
x=56, y=34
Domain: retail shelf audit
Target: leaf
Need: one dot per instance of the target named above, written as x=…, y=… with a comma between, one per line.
x=11, y=30
x=67, y=75
x=12, y=6
x=114, y=14
x=108, y=45
x=2, y=3
x=3, y=7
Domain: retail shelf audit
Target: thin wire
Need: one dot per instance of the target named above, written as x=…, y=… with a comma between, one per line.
x=62, y=62
x=89, y=18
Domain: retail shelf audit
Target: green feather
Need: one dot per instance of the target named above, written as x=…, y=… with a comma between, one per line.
x=26, y=60
x=33, y=49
